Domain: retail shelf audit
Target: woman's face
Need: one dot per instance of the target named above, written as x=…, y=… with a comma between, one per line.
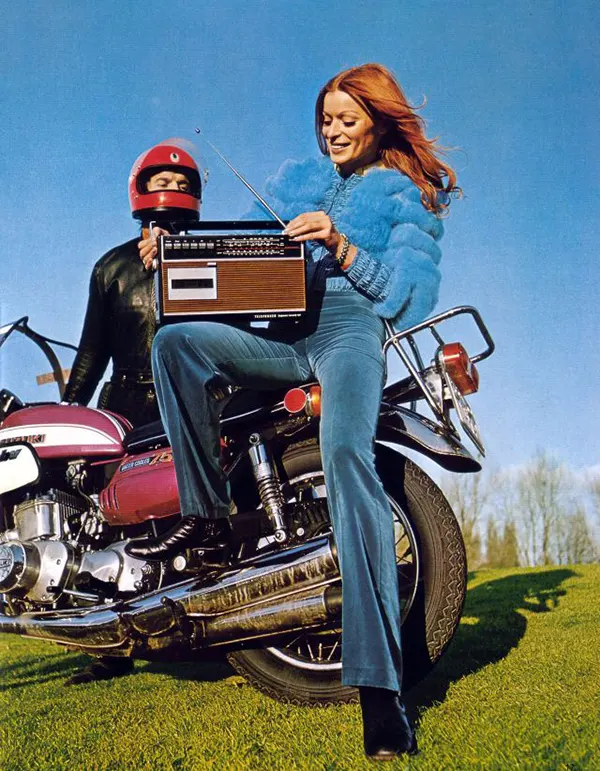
x=351, y=135
x=168, y=180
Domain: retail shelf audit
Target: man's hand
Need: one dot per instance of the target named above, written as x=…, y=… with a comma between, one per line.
x=147, y=247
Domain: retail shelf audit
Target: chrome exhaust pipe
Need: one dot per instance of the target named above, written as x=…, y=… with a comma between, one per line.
x=262, y=597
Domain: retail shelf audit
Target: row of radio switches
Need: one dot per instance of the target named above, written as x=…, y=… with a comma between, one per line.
x=190, y=245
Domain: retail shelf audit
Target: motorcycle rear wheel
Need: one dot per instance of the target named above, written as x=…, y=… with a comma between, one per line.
x=432, y=572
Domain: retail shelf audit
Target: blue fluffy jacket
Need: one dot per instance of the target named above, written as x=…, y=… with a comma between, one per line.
x=397, y=261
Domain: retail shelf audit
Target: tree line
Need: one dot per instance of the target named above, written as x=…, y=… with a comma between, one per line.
x=538, y=514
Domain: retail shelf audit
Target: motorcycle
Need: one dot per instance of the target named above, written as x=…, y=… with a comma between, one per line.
x=76, y=484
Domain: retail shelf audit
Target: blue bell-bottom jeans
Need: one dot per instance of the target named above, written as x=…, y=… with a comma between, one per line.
x=343, y=351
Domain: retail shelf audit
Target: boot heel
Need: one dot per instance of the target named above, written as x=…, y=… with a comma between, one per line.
x=387, y=732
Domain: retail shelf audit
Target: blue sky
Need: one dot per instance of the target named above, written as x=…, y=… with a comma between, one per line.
x=513, y=87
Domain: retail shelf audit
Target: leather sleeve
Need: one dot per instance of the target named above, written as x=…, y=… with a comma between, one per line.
x=93, y=352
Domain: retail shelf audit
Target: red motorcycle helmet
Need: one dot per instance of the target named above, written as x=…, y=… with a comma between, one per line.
x=164, y=204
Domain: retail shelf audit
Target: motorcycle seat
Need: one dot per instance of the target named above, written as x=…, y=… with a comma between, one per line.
x=152, y=435
x=146, y=437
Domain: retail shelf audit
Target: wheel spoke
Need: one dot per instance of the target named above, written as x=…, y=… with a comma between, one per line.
x=337, y=642
x=324, y=650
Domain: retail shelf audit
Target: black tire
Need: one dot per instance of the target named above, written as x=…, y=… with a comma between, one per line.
x=433, y=562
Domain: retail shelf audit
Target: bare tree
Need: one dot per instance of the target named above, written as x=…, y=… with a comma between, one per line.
x=508, y=508
x=492, y=544
x=468, y=496
x=595, y=496
x=541, y=487
x=579, y=542
x=509, y=556
x=534, y=515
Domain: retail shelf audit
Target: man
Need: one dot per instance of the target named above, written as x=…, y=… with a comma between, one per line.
x=165, y=187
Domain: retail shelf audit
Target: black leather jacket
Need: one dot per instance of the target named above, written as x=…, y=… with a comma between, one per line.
x=119, y=325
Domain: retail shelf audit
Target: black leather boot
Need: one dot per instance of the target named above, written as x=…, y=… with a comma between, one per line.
x=190, y=533
x=104, y=668
x=386, y=730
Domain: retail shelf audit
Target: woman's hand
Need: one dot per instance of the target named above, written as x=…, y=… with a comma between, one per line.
x=314, y=225
x=147, y=247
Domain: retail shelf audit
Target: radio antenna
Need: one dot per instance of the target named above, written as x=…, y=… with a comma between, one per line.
x=241, y=178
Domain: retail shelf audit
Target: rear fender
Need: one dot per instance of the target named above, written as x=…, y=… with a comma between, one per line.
x=398, y=425
x=403, y=427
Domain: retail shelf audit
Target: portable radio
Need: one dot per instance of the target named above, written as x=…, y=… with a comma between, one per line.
x=224, y=273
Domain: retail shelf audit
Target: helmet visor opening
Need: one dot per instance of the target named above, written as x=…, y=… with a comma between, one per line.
x=192, y=175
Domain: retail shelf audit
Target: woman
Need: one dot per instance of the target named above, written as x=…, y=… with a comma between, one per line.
x=371, y=220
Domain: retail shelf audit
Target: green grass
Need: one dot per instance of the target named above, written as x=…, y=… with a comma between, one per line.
x=519, y=688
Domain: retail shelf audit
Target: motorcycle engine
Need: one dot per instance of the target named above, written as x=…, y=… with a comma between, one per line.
x=42, y=559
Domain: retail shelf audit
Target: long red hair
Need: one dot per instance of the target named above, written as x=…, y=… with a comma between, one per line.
x=404, y=146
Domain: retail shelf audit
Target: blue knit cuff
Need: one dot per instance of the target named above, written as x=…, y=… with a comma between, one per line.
x=369, y=275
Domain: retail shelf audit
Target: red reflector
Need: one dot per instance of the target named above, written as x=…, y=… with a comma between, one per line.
x=295, y=400
x=460, y=368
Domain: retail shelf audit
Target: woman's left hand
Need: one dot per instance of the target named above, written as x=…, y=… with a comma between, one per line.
x=314, y=225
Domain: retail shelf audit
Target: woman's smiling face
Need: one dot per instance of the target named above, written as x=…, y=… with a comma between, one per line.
x=351, y=135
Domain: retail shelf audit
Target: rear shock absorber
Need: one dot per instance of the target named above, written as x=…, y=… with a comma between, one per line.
x=267, y=482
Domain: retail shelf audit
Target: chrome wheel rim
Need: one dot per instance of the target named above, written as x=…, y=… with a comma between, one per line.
x=321, y=651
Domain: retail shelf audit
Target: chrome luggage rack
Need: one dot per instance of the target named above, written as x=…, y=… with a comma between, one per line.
x=416, y=386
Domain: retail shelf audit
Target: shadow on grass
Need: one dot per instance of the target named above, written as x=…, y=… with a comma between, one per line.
x=58, y=667
x=212, y=667
x=491, y=628
x=32, y=671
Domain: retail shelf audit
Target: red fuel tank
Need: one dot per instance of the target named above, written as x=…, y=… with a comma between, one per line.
x=143, y=487
x=67, y=431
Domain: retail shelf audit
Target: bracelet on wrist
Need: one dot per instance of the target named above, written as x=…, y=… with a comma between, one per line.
x=341, y=257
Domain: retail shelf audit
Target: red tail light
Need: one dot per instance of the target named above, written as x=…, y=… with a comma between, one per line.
x=313, y=406
x=460, y=368
x=298, y=400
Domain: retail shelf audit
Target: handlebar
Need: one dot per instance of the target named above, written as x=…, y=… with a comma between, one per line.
x=45, y=343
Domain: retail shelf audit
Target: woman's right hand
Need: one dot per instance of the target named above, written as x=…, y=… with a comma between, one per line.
x=147, y=247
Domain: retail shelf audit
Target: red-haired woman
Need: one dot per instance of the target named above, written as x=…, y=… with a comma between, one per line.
x=369, y=212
